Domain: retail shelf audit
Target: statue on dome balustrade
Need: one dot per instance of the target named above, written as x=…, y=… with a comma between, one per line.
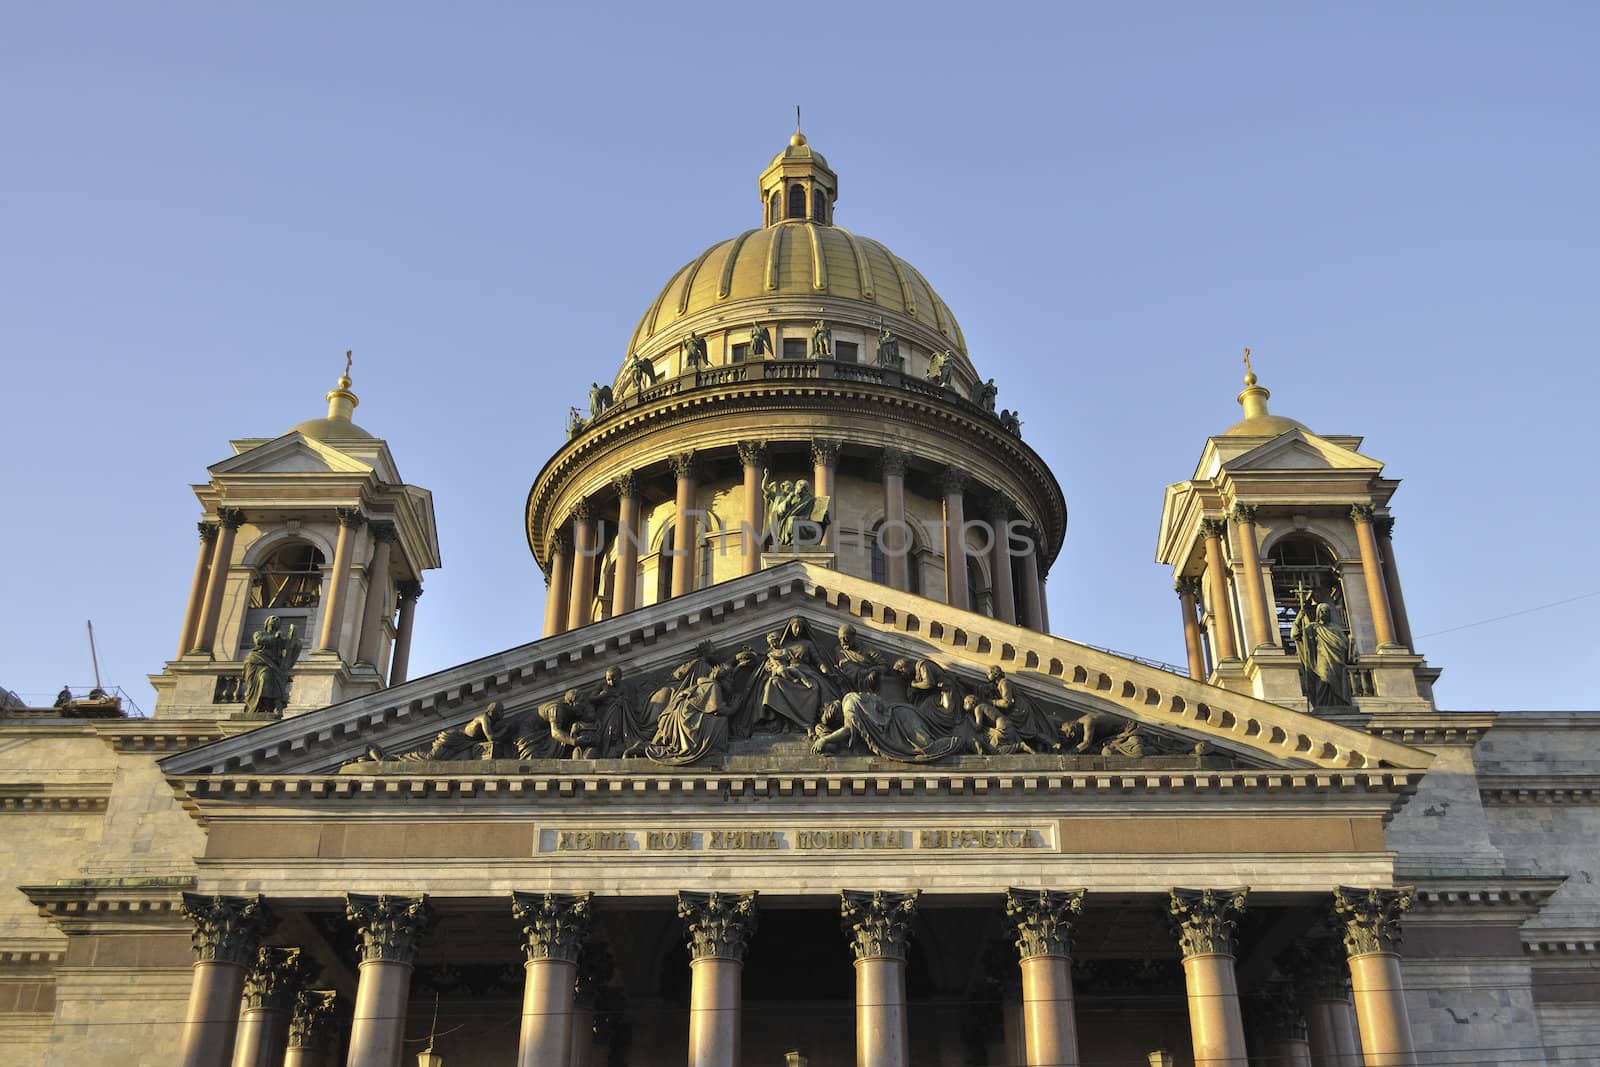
x=987, y=391
x=1010, y=423
x=266, y=669
x=575, y=422
x=642, y=372
x=940, y=367
x=760, y=342
x=693, y=348
x=600, y=398
x=822, y=340
x=888, y=348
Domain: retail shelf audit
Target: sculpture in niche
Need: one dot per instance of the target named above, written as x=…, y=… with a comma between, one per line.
x=940, y=367
x=1325, y=656
x=599, y=399
x=840, y=698
x=794, y=514
x=266, y=669
x=760, y=341
x=821, y=340
x=641, y=372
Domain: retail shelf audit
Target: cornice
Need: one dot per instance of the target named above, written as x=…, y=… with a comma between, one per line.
x=1489, y=897
x=77, y=902
x=1508, y=789
x=163, y=736
x=85, y=797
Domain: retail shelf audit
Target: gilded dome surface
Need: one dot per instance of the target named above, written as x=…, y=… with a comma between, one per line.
x=796, y=258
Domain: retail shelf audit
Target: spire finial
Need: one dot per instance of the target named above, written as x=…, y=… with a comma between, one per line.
x=799, y=138
x=1249, y=371
x=1254, y=397
x=341, y=401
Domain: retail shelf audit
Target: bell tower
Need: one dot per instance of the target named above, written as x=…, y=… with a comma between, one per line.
x=1282, y=554
x=317, y=531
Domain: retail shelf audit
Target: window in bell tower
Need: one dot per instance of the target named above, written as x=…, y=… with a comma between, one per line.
x=797, y=201
x=1303, y=566
x=291, y=577
x=774, y=208
x=819, y=206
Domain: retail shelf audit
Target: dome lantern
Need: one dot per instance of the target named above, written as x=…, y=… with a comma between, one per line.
x=798, y=184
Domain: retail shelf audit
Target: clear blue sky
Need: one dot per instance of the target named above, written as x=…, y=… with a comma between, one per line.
x=1393, y=204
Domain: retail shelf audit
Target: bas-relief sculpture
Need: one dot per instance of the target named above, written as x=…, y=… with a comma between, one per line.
x=832, y=698
x=266, y=669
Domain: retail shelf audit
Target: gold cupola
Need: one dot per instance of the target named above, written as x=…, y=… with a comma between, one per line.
x=798, y=185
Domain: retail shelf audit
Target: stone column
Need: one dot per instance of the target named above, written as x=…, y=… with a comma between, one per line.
x=585, y=537
x=1321, y=975
x=389, y=928
x=895, y=538
x=824, y=460
x=313, y=1029
x=684, y=542
x=1217, y=578
x=594, y=972
x=229, y=519
x=952, y=483
x=350, y=520
x=719, y=927
x=1258, y=612
x=1384, y=525
x=879, y=923
x=1044, y=602
x=1032, y=585
x=197, y=588
x=1281, y=1028
x=1188, y=589
x=554, y=926
x=625, y=590
x=753, y=458
x=1204, y=922
x=227, y=934
x=270, y=989
x=559, y=583
x=1004, y=595
x=400, y=662
x=1372, y=575
x=1370, y=921
x=1044, y=941
x=374, y=613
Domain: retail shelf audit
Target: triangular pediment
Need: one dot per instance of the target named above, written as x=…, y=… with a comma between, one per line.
x=293, y=453
x=1137, y=713
x=1299, y=450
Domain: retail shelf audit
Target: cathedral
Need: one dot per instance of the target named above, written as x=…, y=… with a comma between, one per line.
x=797, y=773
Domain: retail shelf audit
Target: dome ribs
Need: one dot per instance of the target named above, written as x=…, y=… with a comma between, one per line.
x=774, y=257
x=725, y=285
x=863, y=268
x=905, y=285
x=933, y=301
x=819, y=262
x=688, y=280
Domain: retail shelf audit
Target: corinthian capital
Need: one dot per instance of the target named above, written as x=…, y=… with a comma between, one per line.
x=1214, y=528
x=753, y=453
x=208, y=531
x=1044, y=920
x=893, y=461
x=1244, y=513
x=554, y=925
x=232, y=518
x=952, y=481
x=312, y=1025
x=1187, y=585
x=824, y=453
x=350, y=517
x=1204, y=919
x=719, y=925
x=227, y=929
x=625, y=484
x=684, y=464
x=388, y=927
x=276, y=977
x=1361, y=513
x=1370, y=918
x=879, y=922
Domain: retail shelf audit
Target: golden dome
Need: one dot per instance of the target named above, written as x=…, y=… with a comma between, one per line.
x=795, y=258
x=1258, y=421
x=337, y=426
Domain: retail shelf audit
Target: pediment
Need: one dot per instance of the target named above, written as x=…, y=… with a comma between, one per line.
x=670, y=654
x=293, y=453
x=1299, y=450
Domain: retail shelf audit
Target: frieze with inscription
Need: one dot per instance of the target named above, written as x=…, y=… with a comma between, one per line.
x=801, y=698
x=987, y=839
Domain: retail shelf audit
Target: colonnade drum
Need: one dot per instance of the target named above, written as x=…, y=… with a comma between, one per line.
x=883, y=977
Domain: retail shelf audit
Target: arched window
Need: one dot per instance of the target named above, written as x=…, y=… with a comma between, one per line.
x=291, y=577
x=882, y=545
x=797, y=201
x=774, y=207
x=819, y=205
x=1304, y=567
x=664, y=566
x=977, y=596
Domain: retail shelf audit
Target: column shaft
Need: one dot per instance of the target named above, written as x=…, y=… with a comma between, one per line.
x=582, y=1036
x=1032, y=587
x=1051, y=1026
x=580, y=600
x=1330, y=1028
x=263, y=1035
x=1372, y=574
x=824, y=459
x=882, y=1038
x=1391, y=582
x=1044, y=602
x=377, y=1033
x=625, y=589
x=229, y=519
x=1191, y=628
x=753, y=459
x=547, y=1013
x=955, y=542
x=894, y=535
x=1215, y=1024
x=197, y=588
x=400, y=662
x=560, y=585
x=714, y=1010
x=1257, y=611
x=1004, y=595
x=211, y=1023
x=350, y=520
x=1217, y=579
x=301, y=1056
x=1380, y=1002
x=1289, y=1052
x=373, y=612
x=683, y=528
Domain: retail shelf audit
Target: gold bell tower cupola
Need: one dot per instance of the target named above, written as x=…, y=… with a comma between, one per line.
x=1282, y=554
x=798, y=185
